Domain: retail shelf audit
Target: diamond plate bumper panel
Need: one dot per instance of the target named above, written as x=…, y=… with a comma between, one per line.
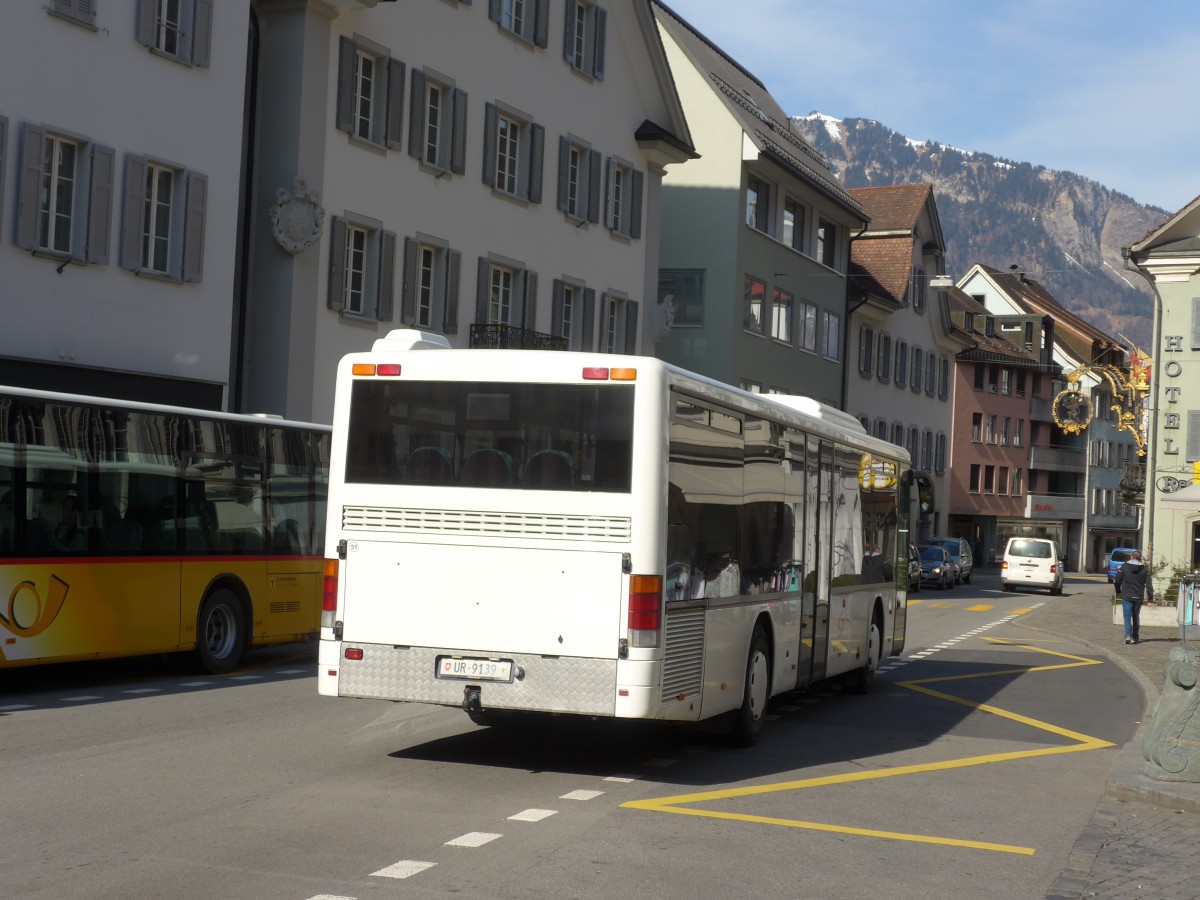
x=561, y=684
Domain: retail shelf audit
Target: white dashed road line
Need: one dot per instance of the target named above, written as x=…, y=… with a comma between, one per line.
x=406, y=868
x=473, y=839
x=534, y=815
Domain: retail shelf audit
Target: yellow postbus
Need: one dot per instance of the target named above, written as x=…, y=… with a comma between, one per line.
x=133, y=528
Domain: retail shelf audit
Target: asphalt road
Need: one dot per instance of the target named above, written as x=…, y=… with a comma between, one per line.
x=969, y=772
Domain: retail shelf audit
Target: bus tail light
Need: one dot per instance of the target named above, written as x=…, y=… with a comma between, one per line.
x=645, y=610
x=329, y=594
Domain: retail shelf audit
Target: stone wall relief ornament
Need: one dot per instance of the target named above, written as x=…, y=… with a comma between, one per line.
x=297, y=217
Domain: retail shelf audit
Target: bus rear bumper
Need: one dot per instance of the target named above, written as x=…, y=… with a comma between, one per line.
x=329, y=657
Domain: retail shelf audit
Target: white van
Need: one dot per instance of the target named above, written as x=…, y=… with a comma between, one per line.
x=1032, y=562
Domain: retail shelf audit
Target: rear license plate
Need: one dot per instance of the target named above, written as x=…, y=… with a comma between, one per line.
x=473, y=669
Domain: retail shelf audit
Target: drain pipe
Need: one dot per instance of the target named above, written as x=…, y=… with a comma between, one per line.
x=1152, y=436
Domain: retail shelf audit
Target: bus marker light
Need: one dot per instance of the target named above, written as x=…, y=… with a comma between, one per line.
x=591, y=373
x=354, y=653
x=362, y=369
x=387, y=369
x=623, y=374
x=623, y=692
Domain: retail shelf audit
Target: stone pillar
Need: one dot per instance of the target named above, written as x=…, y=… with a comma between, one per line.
x=1171, y=744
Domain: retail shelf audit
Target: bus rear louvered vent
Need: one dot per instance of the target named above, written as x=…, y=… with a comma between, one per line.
x=684, y=667
x=284, y=606
x=469, y=523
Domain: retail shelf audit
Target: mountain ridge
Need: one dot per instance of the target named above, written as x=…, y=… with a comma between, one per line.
x=1060, y=228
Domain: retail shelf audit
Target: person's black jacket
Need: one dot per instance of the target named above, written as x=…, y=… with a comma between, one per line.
x=1133, y=581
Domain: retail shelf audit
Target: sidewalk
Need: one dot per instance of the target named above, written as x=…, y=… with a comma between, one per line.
x=1144, y=838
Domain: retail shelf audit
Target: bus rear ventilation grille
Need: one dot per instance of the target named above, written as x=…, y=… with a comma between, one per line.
x=471, y=523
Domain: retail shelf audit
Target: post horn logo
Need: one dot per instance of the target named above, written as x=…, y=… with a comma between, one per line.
x=27, y=615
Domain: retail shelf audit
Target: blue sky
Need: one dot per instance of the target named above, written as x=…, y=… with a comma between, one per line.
x=1108, y=90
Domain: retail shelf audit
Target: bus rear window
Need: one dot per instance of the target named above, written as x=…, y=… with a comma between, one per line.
x=560, y=437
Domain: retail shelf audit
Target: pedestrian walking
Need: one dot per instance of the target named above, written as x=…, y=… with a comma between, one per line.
x=1132, y=584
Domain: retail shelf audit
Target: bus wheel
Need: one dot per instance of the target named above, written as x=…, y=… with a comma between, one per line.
x=864, y=678
x=749, y=720
x=220, y=632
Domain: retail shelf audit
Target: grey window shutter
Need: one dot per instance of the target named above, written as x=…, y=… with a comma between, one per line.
x=601, y=23
x=569, y=34
x=557, y=297
x=416, y=114
x=387, y=277
x=202, y=33
x=29, y=183
x=482, y=285
x=1195, y=308
x=408, y=303
x=147, y=22
x=564, y=172
x=453, y=274
x=458, y=146
x=494, y=10
x=541, y=25
x=537, y=162
x=593, y=209
x=490, y=122
x=1193, y=436
x=3, y=159
x=395, y=104
x=635, y=205
x=345, y=86
x=100, y=204
x=196, y=212
x=337, y=264
x=134, y=200
x=530, y=314
x=589, y=319
x=631, y=326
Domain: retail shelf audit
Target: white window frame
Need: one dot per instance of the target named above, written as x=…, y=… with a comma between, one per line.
x=514, y=146
x=783, y=304
x=831, y=335
x=808, y=327
x=506, y=293
x=180, y=30
x=75, y=231
x=623, y=198
x=754, y=322
x=362, y=268
x=579, y=175
x=584, y=37
x=174, y=223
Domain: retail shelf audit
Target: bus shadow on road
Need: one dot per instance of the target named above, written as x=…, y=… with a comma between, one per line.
x=823, y=729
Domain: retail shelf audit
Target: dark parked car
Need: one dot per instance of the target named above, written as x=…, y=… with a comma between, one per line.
x=936, y=567
x=960, y=555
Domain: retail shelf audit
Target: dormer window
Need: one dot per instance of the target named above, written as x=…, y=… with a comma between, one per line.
x=969, y=322
x=989, y=326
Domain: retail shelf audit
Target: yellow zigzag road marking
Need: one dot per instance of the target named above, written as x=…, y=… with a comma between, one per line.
x=683, y=804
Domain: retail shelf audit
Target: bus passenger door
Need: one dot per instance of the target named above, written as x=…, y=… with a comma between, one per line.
x=821, y=485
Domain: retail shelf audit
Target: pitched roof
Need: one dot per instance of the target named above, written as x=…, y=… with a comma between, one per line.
x=882, y=266
x=893, y=207
x=1078, y=336
x=759, y=114
x=985, y=345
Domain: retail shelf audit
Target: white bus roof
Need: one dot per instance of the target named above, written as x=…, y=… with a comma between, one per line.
x=532, y=365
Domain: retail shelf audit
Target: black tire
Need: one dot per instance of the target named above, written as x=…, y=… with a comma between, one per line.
x=864, y=678
x=967, y=580
x=1009, y=588
x=221, y=632
x=749, y=720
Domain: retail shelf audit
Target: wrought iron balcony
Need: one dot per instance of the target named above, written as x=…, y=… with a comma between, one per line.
x=509, y=337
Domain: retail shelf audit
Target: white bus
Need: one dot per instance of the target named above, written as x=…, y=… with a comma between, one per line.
x=601, y=535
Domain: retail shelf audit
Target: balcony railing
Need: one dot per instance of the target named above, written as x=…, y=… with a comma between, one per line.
x=509, y=337
x=1057, y=459
x=1053, y=506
